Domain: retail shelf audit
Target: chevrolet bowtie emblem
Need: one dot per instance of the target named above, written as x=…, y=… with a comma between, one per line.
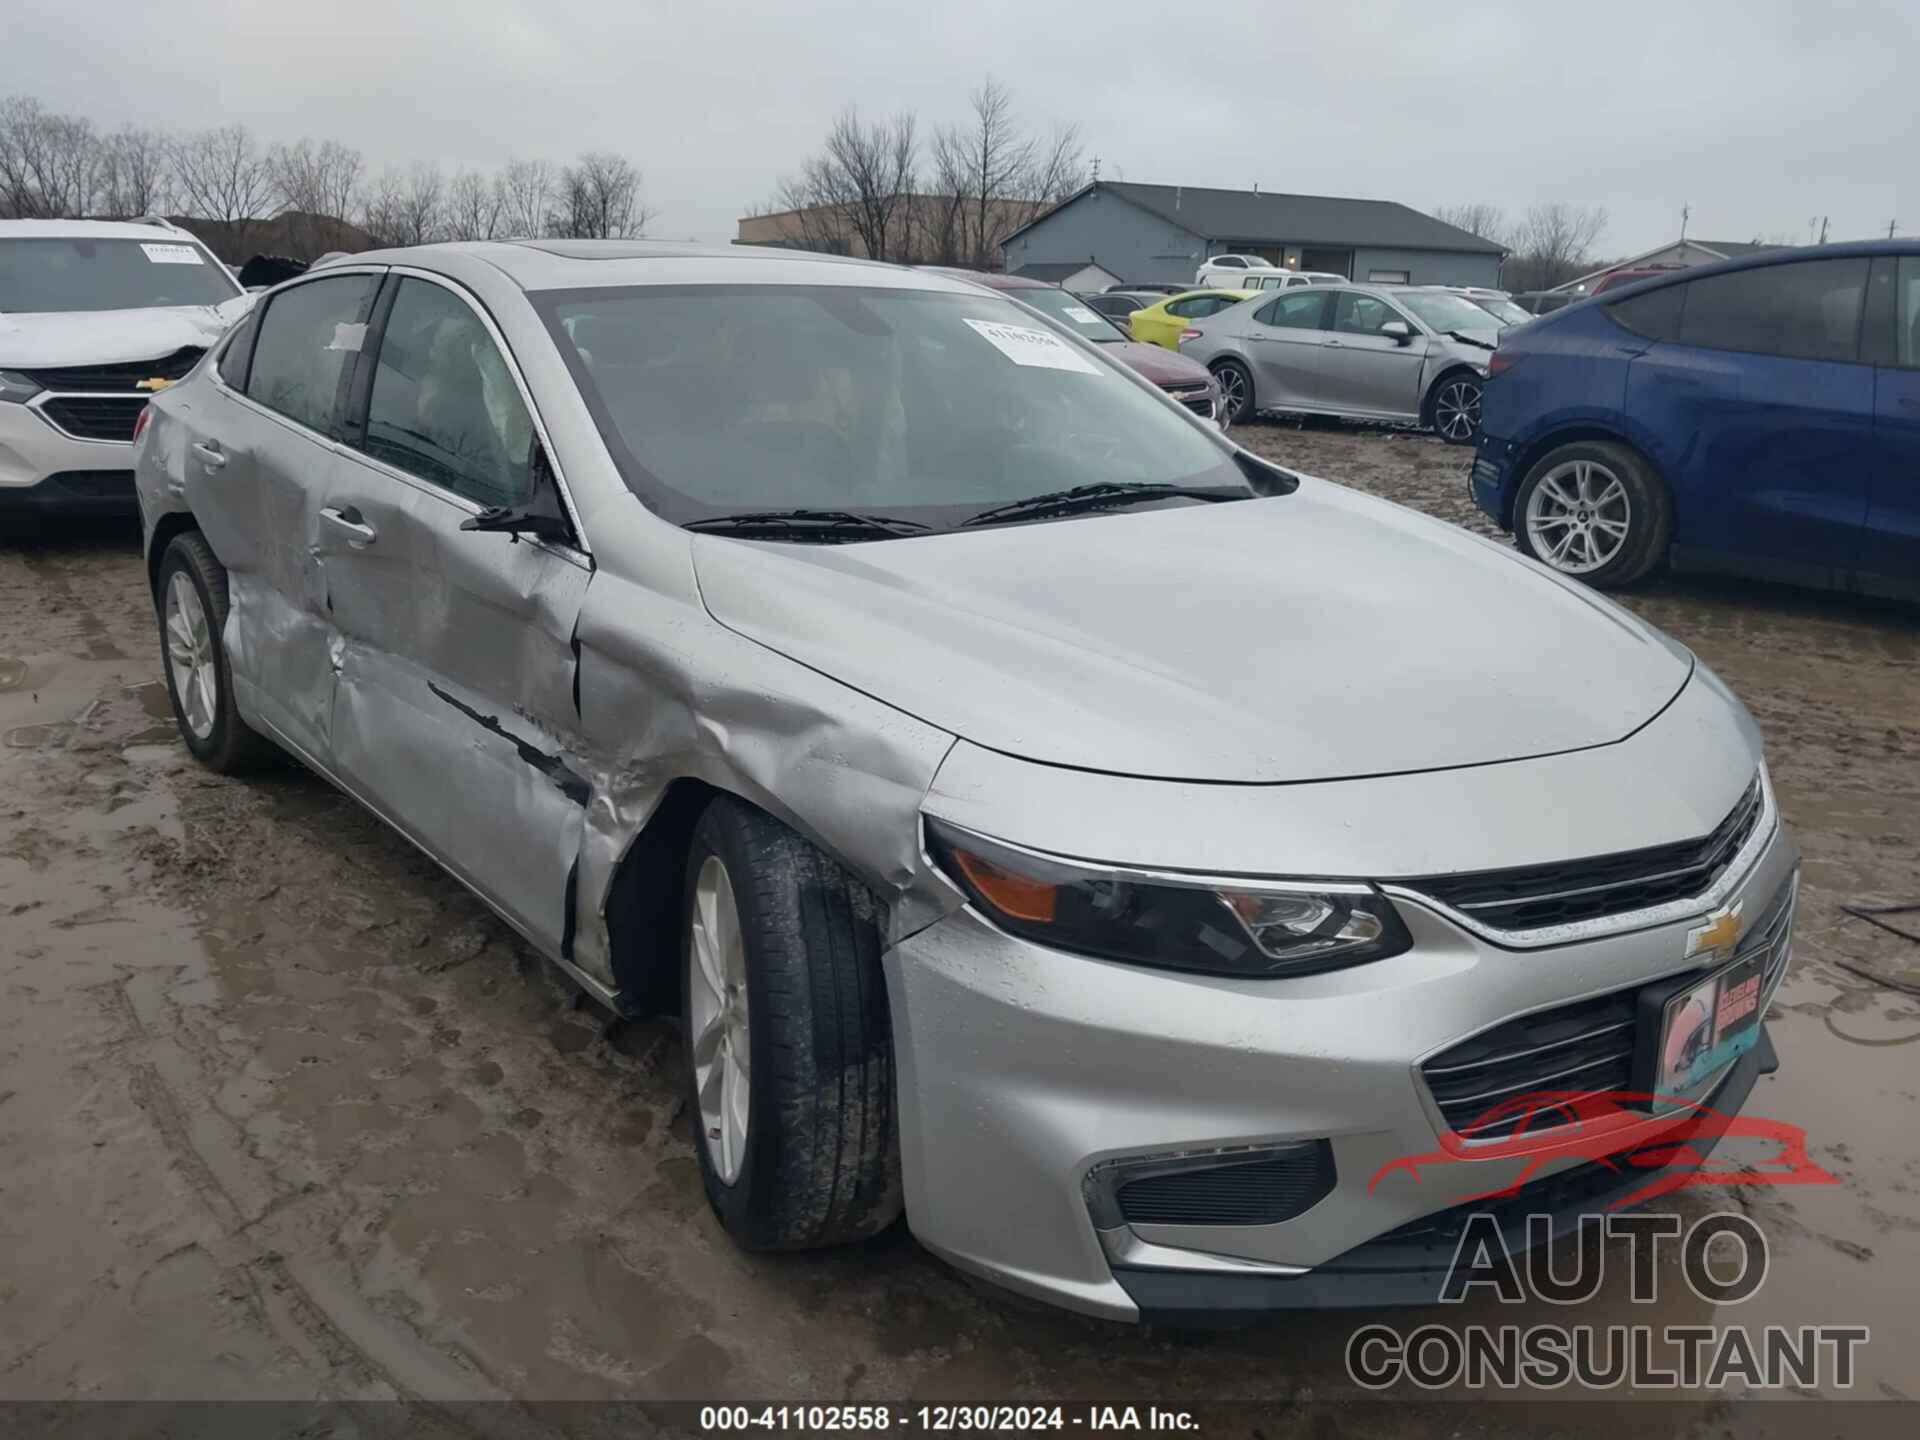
x=156, y=384
x=1719, y=934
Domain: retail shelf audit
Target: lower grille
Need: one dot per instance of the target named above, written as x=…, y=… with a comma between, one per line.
x=1583, y=1048
x=93, y=484
x=95, y=417
x=1197, y=398
x=1532, y=896
x=1249, y=1192
x=120, y=377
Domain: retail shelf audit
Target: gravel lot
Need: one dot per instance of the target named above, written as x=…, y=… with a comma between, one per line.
x=285, y=1114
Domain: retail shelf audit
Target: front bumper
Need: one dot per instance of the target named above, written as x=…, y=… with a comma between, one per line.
x=45, y=471
x=1023, y=1071
x=1491, y=480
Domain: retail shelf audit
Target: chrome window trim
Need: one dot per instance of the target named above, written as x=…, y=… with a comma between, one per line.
x=1601, y=927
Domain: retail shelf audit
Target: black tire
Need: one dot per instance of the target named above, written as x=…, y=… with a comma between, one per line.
x=229, y=746
x=1236, y=390
x=1453, y=409
x=1649, y=512
x=821, y=1162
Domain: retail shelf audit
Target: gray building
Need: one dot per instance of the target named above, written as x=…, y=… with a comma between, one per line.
x=1164, y=233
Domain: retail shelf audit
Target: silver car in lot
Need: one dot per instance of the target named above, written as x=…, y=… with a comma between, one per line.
x=1046, y=818
x=1369, y=352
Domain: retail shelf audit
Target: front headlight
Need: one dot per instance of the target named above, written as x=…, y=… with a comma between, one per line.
x=16, y=387
x=1249, y=929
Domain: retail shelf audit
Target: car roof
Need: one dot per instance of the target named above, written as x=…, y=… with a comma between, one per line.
x=1759, y=260
x=992, y=279
x=1214, y=290
x=92, y=230
x=534, y=265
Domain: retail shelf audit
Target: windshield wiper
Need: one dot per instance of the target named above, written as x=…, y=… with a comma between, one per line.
x=812, y=523
x=1465, y=338
x=1094, y=496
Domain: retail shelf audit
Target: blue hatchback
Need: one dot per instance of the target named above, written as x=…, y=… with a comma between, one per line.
x=1759, y=416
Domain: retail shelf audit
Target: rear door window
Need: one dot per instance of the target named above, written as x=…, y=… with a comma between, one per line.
x=233, y=360
x=444, y=405
x=1655, y=315
x=1807, y=310
x=1304, y=311
x=1906, y=322
x=304, y=354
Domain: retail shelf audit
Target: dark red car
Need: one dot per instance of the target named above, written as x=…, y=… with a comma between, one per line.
x=1187, y=381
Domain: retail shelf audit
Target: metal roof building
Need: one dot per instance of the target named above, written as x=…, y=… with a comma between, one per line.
x=1166, y=232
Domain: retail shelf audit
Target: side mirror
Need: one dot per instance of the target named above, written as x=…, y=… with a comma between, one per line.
x=541, y=517
x=1399, y=330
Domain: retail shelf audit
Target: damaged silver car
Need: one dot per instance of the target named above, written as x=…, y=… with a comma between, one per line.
x=1047, y=818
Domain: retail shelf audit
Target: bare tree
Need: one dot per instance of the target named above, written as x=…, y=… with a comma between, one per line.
x=1553, y=244
x=1476, y=218
x=421, y=205
x=526, y=190
x=475, y=207
x=860, y=186
x=48, y=161
x=998, y=178
x=319, y=187
x=599, y=199
x=222, y=176
x=135, y=174
x=383, y=206
x=1059, y=168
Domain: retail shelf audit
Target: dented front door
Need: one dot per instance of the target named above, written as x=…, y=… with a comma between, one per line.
x=454, y=710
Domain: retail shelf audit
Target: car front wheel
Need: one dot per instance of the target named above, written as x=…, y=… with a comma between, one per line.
x=1595, y=511
x=788, y=1041
x=1456, y=409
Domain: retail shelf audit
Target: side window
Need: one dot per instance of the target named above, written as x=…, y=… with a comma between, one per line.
x=444, y=406
x=1303, y=310
x=1906, y=323
x=306, y=345
x=1807, y=310
x=1357, y=314
x=1185, y=309
x=1655, y=315
x=239, y=352
x=1230, y=262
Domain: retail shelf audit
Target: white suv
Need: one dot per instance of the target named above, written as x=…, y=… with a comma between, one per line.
x=94, y=318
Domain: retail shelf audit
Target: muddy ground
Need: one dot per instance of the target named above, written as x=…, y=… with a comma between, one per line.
x=285, y=1114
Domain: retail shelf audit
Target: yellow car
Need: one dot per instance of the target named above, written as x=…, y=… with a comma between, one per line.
x=1163, y=323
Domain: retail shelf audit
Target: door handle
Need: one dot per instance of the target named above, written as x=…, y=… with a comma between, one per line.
x=1333, y=344
x=359, y=534
x=210, y=454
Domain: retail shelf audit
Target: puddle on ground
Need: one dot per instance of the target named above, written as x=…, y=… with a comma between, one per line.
x=13, y=673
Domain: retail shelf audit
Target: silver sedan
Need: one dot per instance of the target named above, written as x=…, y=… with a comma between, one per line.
x=1371, y=353
x=1122, y=855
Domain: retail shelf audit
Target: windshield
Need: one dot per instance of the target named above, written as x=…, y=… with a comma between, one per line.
x=1072, y=314
x=1505, y=311
x=919, y=405
x=42, y=275
x=1442, y=312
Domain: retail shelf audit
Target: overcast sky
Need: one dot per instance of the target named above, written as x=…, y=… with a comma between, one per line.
x=1757, y=115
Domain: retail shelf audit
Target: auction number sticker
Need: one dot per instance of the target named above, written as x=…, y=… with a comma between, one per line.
x=1080, y=314
x=171, y=254
x=1035, y=348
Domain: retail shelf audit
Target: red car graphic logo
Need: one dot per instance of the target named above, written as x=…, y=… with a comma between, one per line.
x=1615, y=1128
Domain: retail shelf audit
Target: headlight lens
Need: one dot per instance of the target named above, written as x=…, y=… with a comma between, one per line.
x=1264, y=931
x=16, y=387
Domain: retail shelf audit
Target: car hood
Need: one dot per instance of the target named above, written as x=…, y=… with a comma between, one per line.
x=1159, y=364
x=46, y=341
x=1312, y=636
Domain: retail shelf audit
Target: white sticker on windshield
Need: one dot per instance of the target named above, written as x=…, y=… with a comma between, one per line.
x=171, y=254
x=1082, y=314
x=348, y=337
x=1036, y=348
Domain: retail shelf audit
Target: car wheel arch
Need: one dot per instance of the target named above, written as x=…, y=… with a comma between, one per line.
x=1452, y=372
x=1590, y=433
x=645, y=923
x=165, y=529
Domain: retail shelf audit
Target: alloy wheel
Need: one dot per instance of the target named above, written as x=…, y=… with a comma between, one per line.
x=717, y=1009
x=1233, y=389
x=1456, y=410
x=196, y=682
x=1578, y=517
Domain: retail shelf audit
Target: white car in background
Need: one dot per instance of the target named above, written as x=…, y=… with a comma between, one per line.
x=1251, y=272
x=95, y=318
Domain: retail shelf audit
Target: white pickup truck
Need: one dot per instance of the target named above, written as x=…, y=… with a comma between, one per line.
x=1251, y=272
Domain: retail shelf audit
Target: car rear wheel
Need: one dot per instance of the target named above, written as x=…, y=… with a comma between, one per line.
x=788, y=1041
x=1595, y=511
x=193, y=617
x=1454, y=411
x=1236, y=390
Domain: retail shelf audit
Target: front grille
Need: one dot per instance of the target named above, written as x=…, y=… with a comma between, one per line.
x=120, y=378
x=1197, y=398
x=1251, y=1192
x=1582, y=1048
x=95, y=417
x=1533, y=896
x=1576, y=1186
